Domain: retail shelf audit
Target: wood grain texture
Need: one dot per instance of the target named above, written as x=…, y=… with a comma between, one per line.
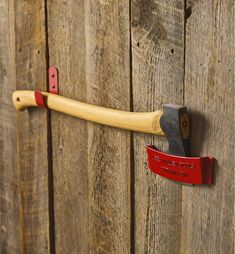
x=66, y=30
x=147, y=122
x=32, y=127
x=208, y=213
x=108, y=85
x=158, y=71
x=9, y=198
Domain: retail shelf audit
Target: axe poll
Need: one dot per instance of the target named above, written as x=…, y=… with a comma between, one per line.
x=172, y=121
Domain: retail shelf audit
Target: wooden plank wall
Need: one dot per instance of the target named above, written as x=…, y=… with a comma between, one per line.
x=208, y=213
x=9, y=188
x=108, y=85
x=32, y=128
x=158, y=73
x=70, y=186
x=66, y=41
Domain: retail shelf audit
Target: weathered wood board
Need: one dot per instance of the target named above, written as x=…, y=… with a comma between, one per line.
x=66, y=31
x=108, y=84
x=9, y=189
x=32, y=126
x=208, y=213
x=158, y=72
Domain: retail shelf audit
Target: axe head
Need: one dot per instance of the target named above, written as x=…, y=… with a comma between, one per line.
x=175, y=124
x=176, y=164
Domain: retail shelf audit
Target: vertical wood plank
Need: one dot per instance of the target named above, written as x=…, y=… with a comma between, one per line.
x=32, y=127
x=108, y=84
x=69, y=135
x=9, y=198
x=158, y=72
x=208, y=213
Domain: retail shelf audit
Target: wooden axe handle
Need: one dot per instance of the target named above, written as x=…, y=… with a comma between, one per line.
x=134, y=121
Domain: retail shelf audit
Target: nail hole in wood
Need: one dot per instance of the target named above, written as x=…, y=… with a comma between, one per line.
x=188, y=12
x=18, y=99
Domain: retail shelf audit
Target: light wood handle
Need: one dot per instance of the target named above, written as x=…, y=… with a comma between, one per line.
x=134, y=121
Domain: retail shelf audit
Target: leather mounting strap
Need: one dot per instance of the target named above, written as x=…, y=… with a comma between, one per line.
x=39, y=99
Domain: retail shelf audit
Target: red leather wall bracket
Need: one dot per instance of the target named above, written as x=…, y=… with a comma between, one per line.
x=189, y=170
x=53, y=87
x=53, y=80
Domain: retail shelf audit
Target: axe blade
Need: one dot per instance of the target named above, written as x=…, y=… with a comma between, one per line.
x=175, y=124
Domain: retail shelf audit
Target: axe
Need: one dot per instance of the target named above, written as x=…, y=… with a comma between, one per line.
x=172, y=121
